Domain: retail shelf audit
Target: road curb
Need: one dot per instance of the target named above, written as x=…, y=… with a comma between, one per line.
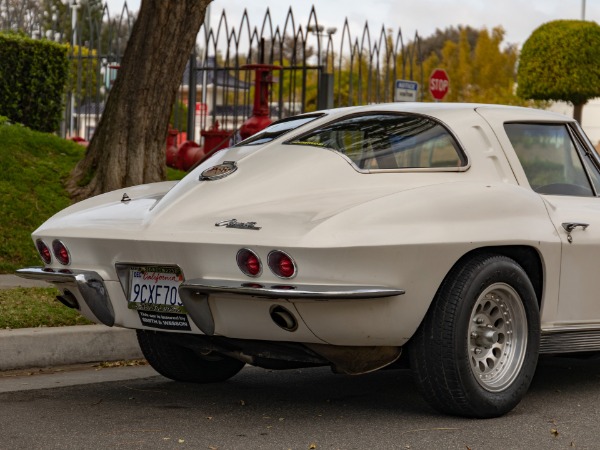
x=42, y=347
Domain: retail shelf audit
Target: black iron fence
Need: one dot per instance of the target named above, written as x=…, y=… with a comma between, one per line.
x=312, y=67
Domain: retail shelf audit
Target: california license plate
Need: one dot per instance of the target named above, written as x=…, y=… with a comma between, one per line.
x=155, y=289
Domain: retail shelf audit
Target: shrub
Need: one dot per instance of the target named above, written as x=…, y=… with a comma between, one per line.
x=33, y=76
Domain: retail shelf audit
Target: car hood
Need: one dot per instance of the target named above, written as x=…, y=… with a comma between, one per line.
x=286, y=191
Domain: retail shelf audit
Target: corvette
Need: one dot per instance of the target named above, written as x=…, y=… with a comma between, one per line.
x=460, y=239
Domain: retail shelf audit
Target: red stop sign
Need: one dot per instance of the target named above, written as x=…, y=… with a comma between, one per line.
x=439, y=84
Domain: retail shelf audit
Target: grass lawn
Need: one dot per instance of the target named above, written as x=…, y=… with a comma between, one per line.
x=34, y=167
x=34, y=307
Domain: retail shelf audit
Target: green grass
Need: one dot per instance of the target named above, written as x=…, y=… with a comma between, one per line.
x=34, y=307
x=34, y=167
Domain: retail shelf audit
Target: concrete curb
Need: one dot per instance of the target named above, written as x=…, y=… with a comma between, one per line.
x=43, y=347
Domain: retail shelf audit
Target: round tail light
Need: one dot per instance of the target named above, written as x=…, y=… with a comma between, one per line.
x=249, y=262
x=61, y=253
x=281, y=264
x=44, y=251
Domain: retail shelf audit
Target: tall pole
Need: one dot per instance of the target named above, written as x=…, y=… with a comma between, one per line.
x=582, y=9
x=74, y=7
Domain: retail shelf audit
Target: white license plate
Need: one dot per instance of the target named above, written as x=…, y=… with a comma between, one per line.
x=155, y=289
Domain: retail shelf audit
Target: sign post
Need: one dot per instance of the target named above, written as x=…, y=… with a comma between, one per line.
x=406, y=91
x=439, y=83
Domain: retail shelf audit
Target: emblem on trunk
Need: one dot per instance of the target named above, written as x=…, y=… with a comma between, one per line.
x=233, y=223
x=219, y=171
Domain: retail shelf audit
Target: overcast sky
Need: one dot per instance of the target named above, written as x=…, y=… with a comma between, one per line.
x=518, y=17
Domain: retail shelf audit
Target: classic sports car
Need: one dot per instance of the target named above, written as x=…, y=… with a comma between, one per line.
x=464, y=238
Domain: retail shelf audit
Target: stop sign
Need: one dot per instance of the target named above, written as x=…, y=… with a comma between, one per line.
x=439, y=84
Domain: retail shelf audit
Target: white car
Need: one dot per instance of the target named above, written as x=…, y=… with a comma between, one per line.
x=464, y=238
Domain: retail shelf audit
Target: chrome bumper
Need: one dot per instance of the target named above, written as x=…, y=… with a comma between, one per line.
x=194, y=295
x=88, y=284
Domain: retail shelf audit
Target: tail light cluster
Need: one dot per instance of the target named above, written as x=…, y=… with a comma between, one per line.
x=280, y=263
x=59, y=250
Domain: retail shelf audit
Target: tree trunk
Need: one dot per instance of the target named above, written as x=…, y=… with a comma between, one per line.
x=128, y=147
x=578, y=111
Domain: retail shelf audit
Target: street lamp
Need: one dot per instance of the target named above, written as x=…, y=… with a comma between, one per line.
x=325, y=86
x=74, y=6
x=317, y=30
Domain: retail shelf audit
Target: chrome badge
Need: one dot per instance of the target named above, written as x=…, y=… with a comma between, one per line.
x=220, y=171
x=233, y=223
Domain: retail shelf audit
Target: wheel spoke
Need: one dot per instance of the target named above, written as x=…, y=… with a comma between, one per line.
x=497, y=337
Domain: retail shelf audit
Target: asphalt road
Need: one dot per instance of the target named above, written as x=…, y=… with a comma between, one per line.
x=299, y=409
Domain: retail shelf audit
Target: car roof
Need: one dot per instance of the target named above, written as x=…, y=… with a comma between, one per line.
x=442, y=109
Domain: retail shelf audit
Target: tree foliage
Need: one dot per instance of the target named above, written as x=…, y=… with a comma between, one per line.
x=561, y=61
x=84, y=73
x=481, y=69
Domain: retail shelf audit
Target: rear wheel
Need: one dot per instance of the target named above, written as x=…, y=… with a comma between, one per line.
x=184, y=364
x=476, y=350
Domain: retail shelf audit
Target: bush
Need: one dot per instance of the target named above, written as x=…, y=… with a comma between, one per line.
x=33, y=76
x=561, y=61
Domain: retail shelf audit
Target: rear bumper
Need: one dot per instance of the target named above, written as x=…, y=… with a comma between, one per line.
x=333, y=314
x=195, y=294
x=81, y=283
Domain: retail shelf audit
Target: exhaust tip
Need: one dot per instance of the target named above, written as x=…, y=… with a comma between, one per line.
x=283, y=318
x=68, y=299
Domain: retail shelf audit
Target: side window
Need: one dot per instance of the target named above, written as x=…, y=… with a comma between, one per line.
x=590, y=160
x=388, y=142
x=549, y=158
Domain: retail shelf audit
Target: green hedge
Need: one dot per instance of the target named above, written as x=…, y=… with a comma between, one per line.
x=33, y=76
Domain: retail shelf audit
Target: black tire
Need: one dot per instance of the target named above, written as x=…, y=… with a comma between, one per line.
x=476, y=351
x=183, y=364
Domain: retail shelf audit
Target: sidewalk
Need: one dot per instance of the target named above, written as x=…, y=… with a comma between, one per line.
x=42, y=347
x=9, y=281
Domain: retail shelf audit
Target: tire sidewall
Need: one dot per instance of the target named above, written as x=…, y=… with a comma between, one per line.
x=496, y=270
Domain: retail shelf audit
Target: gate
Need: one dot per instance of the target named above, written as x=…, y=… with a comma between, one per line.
x=318, y=68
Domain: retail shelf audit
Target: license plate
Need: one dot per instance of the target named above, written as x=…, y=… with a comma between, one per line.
x=155, y=289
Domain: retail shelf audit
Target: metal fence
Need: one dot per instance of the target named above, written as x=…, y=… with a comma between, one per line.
x=314, y=67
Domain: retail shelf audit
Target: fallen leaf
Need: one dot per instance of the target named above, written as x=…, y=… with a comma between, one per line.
x=242, y=402
x=312, y=446
x=181, y=441
x=554, y=432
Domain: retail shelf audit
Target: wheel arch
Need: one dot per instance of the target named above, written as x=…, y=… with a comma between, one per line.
x=526, y=256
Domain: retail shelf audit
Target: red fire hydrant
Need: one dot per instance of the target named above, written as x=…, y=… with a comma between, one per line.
x=172, y=147
x=215, y=139
x=261, y=112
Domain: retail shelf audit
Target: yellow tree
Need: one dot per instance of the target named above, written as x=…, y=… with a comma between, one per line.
x=482, y=72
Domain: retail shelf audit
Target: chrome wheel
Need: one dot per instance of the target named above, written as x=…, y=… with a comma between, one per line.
x=497, y=337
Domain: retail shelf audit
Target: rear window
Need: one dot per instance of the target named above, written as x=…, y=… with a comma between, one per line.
x=277, y=129
x=388, y=142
